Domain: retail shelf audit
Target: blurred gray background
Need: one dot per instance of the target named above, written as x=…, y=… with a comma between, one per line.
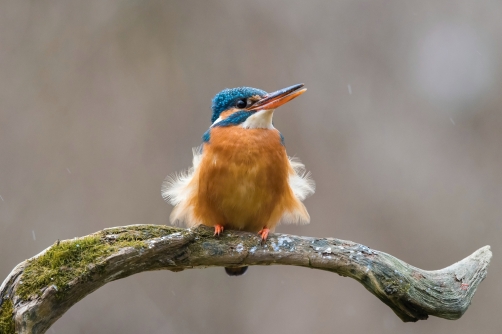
x=401, y=127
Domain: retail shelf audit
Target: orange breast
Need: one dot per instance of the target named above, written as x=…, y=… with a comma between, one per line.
x=243, y=179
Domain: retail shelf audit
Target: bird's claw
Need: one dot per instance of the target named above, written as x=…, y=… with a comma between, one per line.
x=263, y=234
x=218, y=229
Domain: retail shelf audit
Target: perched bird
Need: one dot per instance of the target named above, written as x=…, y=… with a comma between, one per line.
x=242, y=178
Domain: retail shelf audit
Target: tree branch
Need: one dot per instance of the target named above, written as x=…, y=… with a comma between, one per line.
x=39, y=290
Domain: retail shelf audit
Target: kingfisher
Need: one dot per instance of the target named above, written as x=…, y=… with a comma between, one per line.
x=242, y=177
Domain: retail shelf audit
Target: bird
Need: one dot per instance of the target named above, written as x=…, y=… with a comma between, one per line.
x=242, y=178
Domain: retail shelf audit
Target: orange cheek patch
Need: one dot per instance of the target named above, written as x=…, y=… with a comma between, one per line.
x=228, y=112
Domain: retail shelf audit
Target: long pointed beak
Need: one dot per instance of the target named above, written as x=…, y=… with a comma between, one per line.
x=278, y=98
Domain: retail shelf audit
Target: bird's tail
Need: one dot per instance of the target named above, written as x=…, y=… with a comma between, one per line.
x=233, y=271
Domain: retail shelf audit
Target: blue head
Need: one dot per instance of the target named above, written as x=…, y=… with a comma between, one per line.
x=239, y=98
x=249, y=107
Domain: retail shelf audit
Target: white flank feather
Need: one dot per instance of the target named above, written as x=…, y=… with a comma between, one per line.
x=301, y=181
x=303, y=186
x=177, y=189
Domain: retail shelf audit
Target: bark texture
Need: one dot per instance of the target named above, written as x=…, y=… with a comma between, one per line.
x=40, y=290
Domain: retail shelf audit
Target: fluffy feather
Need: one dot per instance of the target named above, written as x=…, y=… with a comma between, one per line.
x=177, y=189
x=300, y=181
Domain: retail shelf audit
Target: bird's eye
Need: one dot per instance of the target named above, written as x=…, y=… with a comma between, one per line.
x=241, y=103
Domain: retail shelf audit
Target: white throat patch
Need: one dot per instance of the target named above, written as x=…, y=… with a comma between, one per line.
x=259, y=120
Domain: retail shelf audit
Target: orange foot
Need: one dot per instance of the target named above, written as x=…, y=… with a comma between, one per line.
x=264, y=234
x=218, y=229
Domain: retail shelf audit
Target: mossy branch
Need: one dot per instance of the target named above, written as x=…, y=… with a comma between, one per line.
x=39, y=290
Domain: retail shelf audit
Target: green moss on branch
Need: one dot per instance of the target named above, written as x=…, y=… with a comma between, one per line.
x=78, y=258
x=7, y=317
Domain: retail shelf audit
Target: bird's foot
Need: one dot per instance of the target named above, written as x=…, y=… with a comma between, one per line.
x=218, y=229
x=263, y=234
